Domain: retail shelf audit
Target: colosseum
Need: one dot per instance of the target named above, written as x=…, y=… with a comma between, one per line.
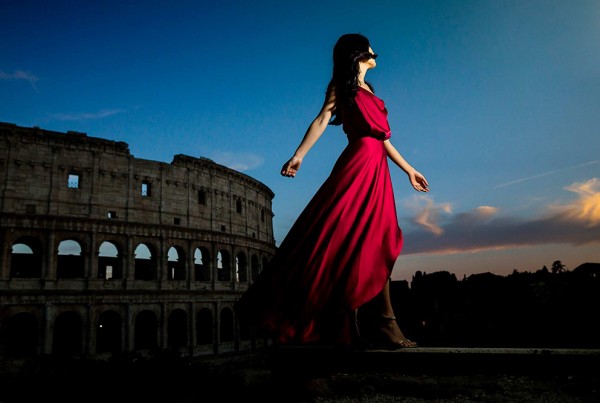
x=105, y=253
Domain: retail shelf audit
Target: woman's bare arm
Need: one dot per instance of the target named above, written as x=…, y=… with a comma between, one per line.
x=313, y=133
x=417, y=180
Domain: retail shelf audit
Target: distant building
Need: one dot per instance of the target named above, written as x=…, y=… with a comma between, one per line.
x=103, y=253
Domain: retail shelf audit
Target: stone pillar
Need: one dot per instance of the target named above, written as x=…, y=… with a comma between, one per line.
x=161, y=262
x=232, y=268
x=213, y=265
x=51, y=251
x=216, y=327
x=189, y=272
x=129, y=261
x=162, y=325
x=192, y=327
x=48, y=330
x=89, y=331
x=5, y=254
x=93, y=258
x=208, y=261
x=128, y=333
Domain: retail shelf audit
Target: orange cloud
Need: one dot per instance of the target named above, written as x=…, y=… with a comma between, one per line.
x=587, y=208
x=486, y=211
x=427, y=213
x=483, y=228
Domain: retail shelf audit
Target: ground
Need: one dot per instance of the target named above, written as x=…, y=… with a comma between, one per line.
x=170, y=379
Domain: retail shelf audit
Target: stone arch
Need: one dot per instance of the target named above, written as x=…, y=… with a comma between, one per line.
x=177, y=329
x=241, y=267
x=202, y=264
x=109, y=261
x=109, y=332
x=145, y=333
x=68, y=334
x=145, y=262
x=204, y=327
x=176, y=263
x=226, y=325
x=22, y=336
x=70, y=261
x=26, y=258
x=223, y=266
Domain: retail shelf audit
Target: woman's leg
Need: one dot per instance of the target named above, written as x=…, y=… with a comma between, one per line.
x=383, y=328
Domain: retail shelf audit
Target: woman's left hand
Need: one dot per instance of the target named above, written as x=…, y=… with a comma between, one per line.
x=419, y=182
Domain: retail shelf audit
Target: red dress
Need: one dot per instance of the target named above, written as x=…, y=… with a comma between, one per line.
x=340, y=252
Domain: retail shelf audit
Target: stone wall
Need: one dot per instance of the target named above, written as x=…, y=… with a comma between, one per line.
x=102, y=252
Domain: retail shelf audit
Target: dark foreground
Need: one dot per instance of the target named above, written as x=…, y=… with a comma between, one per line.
x=312, y=375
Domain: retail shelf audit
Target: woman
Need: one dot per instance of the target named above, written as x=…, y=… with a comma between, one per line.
x=339, y=254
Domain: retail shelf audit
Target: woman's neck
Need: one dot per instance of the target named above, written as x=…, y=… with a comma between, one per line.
x=361, y=76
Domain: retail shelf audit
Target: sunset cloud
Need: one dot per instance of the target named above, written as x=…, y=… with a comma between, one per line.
x=576, y=223
x=427, y=213
x=587, y=208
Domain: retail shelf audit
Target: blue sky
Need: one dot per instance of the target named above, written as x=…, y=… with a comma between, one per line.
x=496, y=102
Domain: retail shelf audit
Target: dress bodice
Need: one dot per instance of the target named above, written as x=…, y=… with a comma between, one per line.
x=366, y=117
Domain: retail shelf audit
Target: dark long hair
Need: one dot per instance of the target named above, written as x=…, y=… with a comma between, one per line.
x=348, y=52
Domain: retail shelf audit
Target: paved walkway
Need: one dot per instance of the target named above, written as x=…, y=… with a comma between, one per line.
x=314, y=375
x=438, y=375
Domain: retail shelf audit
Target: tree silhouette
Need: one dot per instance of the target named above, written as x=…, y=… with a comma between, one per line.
x=558, y=267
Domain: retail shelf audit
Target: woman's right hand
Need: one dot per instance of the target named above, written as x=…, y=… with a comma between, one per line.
x=291, y=167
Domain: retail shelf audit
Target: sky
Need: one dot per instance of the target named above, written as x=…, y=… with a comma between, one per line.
x=495, y=102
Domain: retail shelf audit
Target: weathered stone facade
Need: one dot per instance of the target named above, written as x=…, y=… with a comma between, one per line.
x=102, y=252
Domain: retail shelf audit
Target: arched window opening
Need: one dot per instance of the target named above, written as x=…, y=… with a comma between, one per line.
x=241, y=268
x=70, y=261
x=145, y=263
x=201, y=265
x=68, y=334
x=204, y=327
x=176, y=263
x=145, y=336
x=109, y=264
x=26, y=258
x=226, y=325
x=109, y=333
x=223, y=266
x=177, y=330
x=22, y=336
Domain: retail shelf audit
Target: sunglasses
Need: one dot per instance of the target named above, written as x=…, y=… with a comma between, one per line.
x=368, y=55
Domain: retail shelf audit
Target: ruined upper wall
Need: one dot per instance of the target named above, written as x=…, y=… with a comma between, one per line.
x=71, y=174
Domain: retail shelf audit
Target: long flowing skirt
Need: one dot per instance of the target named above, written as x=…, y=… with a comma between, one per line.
x=337, y=256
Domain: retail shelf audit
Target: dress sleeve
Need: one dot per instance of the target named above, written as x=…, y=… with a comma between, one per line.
x=375, y=114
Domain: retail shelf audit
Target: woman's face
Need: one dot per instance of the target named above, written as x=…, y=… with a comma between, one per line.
x=371, y=62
